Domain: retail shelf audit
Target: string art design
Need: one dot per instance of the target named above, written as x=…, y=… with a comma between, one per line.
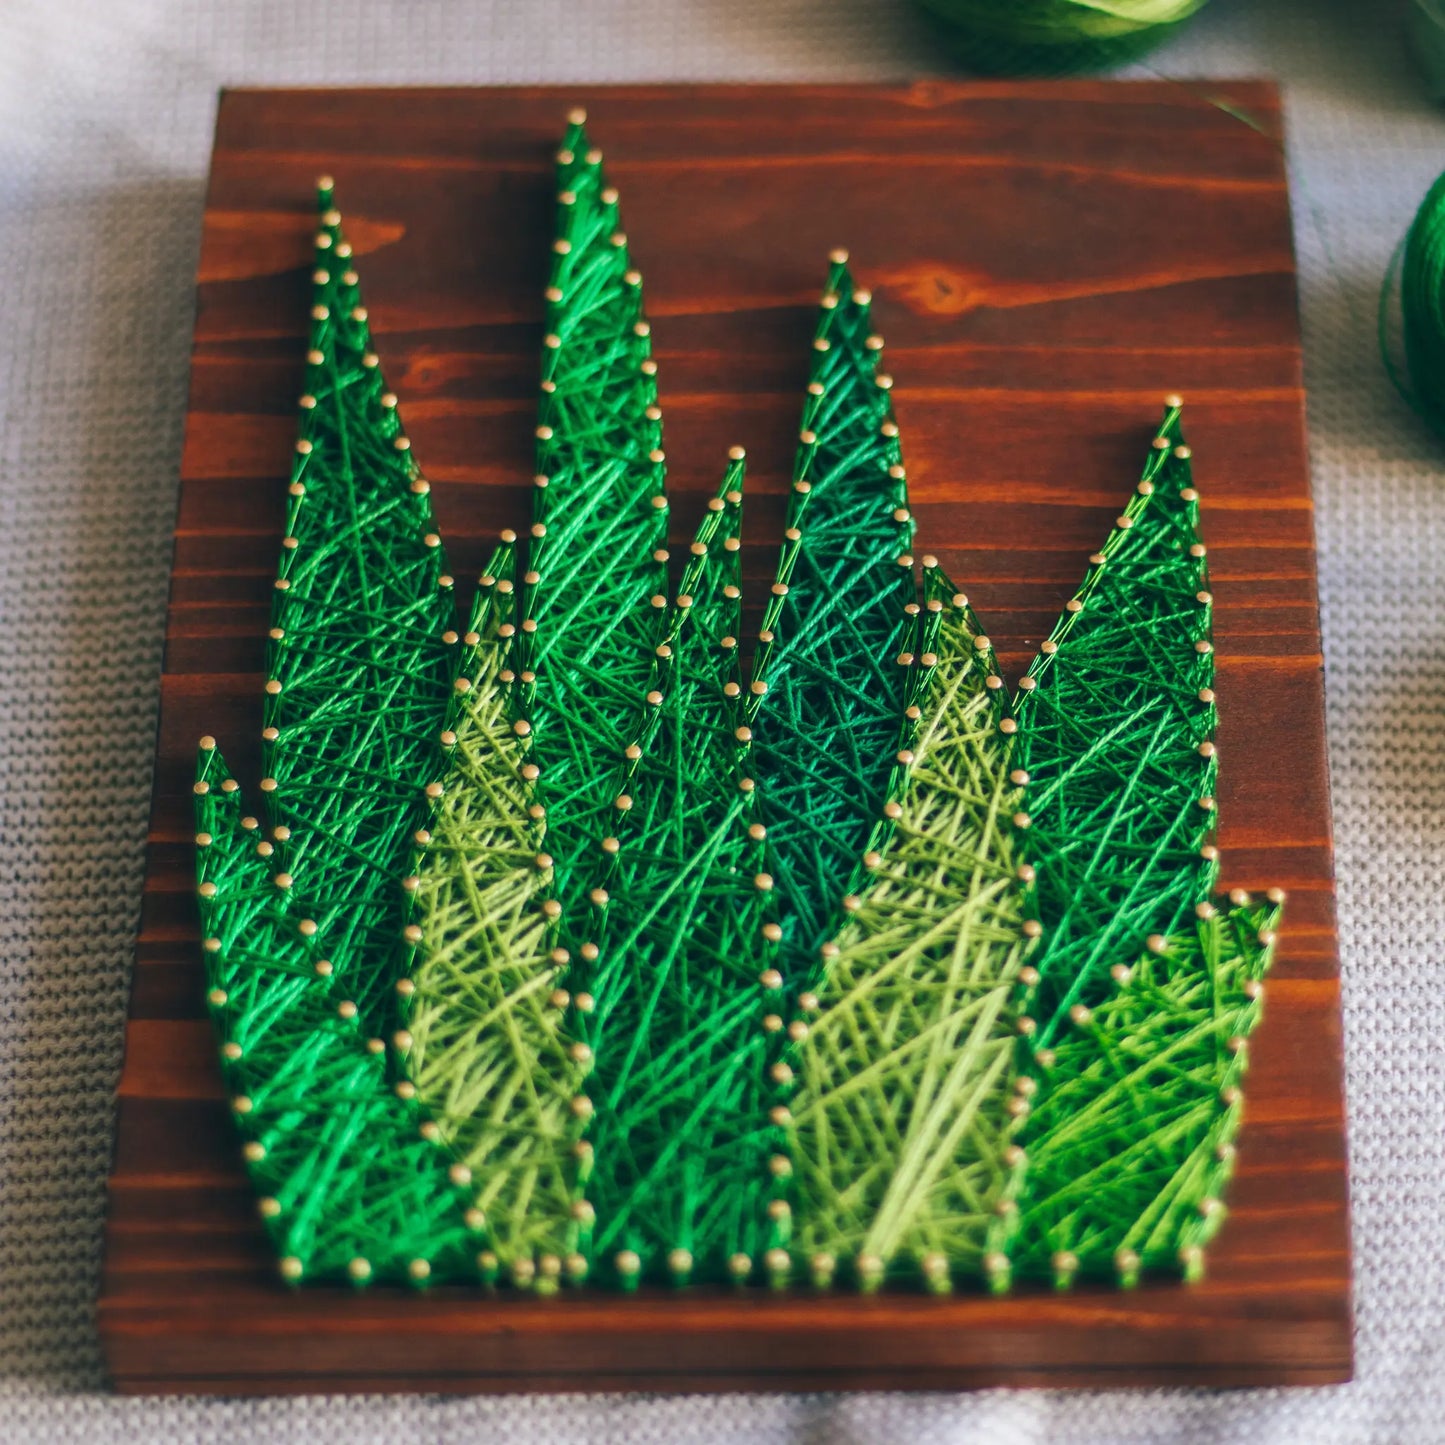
x=827, y=695
x=572, y=950
x=302, y=917
x=1136, y=1062
x=902, y=1140
x=481, y=1042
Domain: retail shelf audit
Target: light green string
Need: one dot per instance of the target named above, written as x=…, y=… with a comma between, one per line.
x=483, y=1040
x=905, y=1058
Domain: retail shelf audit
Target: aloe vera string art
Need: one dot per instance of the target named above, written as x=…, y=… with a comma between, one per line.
x=562, y=948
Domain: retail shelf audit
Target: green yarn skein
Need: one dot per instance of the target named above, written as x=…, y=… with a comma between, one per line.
x=1055, y=36
x=1422, y=305
x=1415, y=283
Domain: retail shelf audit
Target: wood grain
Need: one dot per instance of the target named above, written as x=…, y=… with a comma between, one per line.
x=1048, y=260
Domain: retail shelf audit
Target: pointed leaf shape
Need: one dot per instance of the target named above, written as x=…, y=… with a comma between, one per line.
x=600, y=515
x=1116, y=719
x=1130, y=1138
x=358, y=669
x=679, y=1179
x=901, y=1137
x=828, y=723
x=303, y=919
x=1138, y=985
x=483, y=1042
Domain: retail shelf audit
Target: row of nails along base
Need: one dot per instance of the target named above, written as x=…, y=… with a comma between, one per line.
x=566, y=948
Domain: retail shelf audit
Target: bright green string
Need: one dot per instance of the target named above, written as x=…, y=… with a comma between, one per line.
x=348, y=1184
x=1130, y=1138
x=614, y=718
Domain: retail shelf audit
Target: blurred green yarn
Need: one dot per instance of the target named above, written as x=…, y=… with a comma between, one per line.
x=1420, y=263
x=1055, y=37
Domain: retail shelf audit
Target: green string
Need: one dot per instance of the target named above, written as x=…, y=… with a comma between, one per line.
x=348, y=1177
x=827, y=695
x=764, y=947
x=1130, y=1138
x=361, y=648
x=1136, y=989
x=679, y=1181
x=596, y=577
x=1116, y=722
x=483, y=1040
x=303, y=919
x=905, y=1061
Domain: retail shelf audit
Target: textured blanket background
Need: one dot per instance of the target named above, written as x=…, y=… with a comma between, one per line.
x=106, y=108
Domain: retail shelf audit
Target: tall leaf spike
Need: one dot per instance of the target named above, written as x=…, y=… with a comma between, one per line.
x=596, y=580
x=1116, y=722
x=827, y=695
x=906, y=1096
x=1143, y=990
x=676, y=1018
x=302, y=919
x=363, y=644
x=482, y=1037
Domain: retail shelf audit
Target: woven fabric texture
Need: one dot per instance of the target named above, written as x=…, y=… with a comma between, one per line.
x=106, y=109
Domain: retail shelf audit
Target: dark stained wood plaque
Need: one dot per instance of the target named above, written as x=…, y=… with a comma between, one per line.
x=1048, y=261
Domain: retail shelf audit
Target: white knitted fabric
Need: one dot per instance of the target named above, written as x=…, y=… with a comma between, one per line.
x=106, y=108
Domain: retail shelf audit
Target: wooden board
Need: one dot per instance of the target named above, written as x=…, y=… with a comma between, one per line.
x=1048, y=260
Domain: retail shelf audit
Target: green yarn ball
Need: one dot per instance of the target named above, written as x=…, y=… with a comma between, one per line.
x=1054, y=37
x=1422, y=306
